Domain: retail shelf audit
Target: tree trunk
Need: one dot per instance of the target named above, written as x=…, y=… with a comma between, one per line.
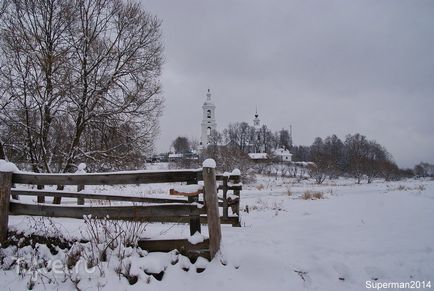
x=2, y=152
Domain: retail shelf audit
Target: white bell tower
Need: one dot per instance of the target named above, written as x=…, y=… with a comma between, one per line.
x=257, y=126
x=257, y=121
x=208, y=120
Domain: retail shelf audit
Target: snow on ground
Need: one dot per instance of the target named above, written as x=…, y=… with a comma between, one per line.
x=382, y=232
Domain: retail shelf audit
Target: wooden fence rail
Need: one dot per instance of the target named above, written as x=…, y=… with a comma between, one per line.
x=83, y=195
x=116, y=178
x=190, y=210
x=113, y=212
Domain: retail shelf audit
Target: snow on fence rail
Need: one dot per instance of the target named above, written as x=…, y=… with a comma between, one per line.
x=193, y=210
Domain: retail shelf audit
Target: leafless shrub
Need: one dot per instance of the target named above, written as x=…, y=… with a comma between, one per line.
x=312, y=195
x=307, y=195
x=44, y=226
x=107, y=235
x=318, y=195
x=402, y=188
x=421, y=188
x=260, y=187
x=73, y=256
x=126, y=272
x=289, y=191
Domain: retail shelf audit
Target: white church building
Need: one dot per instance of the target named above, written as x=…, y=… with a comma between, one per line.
x=257, y=152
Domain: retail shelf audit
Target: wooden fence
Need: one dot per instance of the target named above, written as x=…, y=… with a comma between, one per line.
x=192, y=209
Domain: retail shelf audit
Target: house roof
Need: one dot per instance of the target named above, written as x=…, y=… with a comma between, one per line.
x=176, y=155
x=282, y=152
x=258, y=156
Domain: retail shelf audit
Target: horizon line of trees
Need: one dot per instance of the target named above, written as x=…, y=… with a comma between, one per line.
x=241, y=135
x=356, y=156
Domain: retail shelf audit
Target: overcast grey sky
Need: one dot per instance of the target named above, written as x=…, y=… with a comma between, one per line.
x=323, y=66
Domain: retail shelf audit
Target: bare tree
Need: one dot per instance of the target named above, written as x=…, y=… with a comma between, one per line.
x=376, y=156
x=181, y=145
x=215, y=138
x=321, y=166
x=285, y=139
x=229, y=158
x=3, y=7
x=2, y=151
x=118, y=56
x=194, y=143
x=356, y=151
x=79, y=82
x=390, y=171
x=33, y=74
x=424, y=170
x=365, y=157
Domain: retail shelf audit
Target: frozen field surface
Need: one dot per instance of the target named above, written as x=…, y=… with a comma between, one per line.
x=379, y=232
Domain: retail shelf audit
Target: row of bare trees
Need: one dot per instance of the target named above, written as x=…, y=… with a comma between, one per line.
x=356, y=156
x=79, y=82
x=423, y=170
x=250, y=139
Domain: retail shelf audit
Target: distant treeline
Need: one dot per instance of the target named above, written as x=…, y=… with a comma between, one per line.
x=356, y=156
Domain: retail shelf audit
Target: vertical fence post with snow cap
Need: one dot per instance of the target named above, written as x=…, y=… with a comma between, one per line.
x=6, y=170
x=237, y=180
x=212, y=206
x=5, y=192
x=80, y=170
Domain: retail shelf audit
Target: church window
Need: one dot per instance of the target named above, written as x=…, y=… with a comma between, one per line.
x=209, y=113
x=208, y=132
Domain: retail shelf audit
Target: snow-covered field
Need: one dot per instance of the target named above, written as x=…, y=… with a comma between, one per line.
x=379, y=232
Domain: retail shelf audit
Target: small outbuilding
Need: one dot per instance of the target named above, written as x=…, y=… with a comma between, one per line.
x=282, y=155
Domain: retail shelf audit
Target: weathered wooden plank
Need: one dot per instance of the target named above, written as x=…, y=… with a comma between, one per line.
x=232, y=220
x=186, y=194
x=113, y=212
x=139, y=177
x=211, y=202
x=219, y=177
x=5, y=194
x=112, y=197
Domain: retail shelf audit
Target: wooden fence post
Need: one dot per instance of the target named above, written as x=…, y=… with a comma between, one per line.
x=225, y=197
x=236, y=207
x=80, y=201
x=194, y=220
x=5, y=192
x=14, y=196
x=80, y=170
x=212, y=207
x=237, y=181
x=41, y=198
